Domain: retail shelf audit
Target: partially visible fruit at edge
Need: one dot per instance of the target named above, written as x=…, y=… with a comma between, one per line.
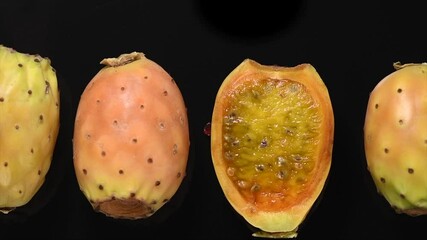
x=395, y=138
x=29, y=125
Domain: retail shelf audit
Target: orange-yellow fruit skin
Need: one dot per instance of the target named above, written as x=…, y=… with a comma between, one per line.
x=395, y=143
x=131, y=137
x=286, y=218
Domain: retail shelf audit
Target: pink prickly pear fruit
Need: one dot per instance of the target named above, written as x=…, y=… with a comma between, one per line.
x=131, y=138
x=395, y=138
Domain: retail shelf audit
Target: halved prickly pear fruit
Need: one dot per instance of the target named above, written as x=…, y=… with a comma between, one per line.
x=395, y=138
x=271, y=142
x=131, y=138
x=29, y=125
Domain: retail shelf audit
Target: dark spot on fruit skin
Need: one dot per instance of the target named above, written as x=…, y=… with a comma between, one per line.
x=399, y=90
x=175, y=149
x=150, y=160
x=47, y=89
x=410, y=170
x=134, y=140
x=39, y=172
x=402, y=196
x=178, y=175
x=141, y=106
x=145, y=77
x=103, y=153
x=41, y=118
x=84, y=171
x=165, y=200
x=157, y=183
x=36, y=60
x=101, y=187
x=153, y=202
x=121, y=171
x=172, y=80
x=386, y=150
x=20, y=65
x=5, y=164
x=17, y=127
x=91, y=201
x=165, y=93
x=30, y=92
x=113, y=198
x=32, y=150
x=1, y=99
x=122, y=88
x=20, y=191
x=132, y=195
x=382, y=180
x=400, y=121
x=376, y=106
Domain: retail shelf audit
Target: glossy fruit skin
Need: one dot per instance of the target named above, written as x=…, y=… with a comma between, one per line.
x=131, y=139
x=29, y=125
x=282, y=222
x=395, y=133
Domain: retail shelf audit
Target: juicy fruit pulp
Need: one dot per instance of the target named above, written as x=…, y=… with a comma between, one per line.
x=29, y=125
x=395, y=138
x=271, y=142
x=131, y=139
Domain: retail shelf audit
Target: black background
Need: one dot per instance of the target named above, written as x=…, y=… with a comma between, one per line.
x=351, y=44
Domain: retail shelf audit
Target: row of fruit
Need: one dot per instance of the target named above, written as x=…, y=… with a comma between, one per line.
x=272, y=137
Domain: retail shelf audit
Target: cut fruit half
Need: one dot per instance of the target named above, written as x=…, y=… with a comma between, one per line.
x=271, y=141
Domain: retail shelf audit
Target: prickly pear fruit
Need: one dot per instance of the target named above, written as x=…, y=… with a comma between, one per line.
x=395, y=138
x=29, y=125
x=131, y=138
x=271, y=144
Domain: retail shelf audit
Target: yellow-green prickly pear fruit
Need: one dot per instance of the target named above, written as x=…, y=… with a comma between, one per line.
x=29, y=125
x=395, y=138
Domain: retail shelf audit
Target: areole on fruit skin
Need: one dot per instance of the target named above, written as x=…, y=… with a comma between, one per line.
x=395, y=138
x=285, y=222
x=29, y=125
x=131, y=140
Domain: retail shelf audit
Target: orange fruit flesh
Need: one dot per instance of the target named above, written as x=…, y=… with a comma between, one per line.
x=271, y=132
